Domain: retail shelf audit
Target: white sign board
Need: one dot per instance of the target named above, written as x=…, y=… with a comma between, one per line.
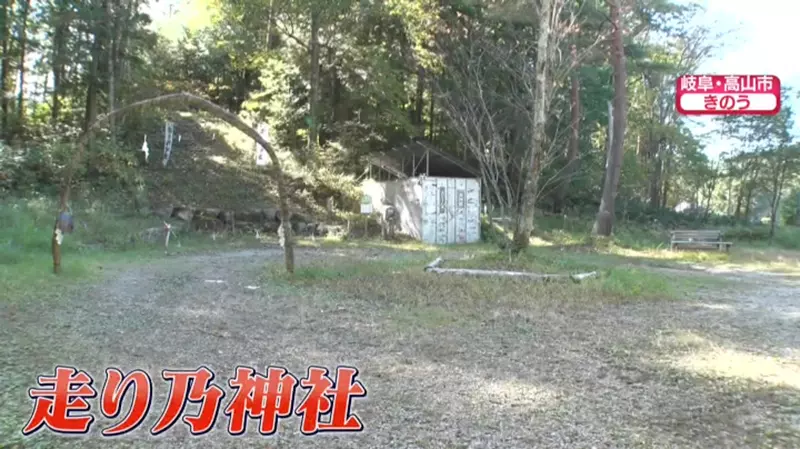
x=169, y=130
x=366, y=205
x=262, y=157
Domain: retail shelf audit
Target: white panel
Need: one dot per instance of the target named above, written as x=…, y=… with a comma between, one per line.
x=473, y=211
x=441, y=211
x=451, y=211
x=415, y=216
x=429, y=205
x=461, y=210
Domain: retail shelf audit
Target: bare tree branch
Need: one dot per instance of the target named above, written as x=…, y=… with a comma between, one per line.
x=200, y=103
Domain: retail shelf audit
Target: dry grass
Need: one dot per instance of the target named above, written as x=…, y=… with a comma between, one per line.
x=449, y=362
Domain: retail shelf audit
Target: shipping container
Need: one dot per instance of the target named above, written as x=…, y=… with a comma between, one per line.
x=435, y=210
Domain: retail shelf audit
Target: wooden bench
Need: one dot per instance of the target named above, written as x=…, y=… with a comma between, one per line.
x=698, y=239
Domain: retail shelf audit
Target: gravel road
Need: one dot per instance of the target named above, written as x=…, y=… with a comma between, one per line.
x=720, y=369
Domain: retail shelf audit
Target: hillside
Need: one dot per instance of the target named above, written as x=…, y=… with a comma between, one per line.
x=212, y=166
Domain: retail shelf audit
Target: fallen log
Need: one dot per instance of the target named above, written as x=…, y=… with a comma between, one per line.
x=434, y=267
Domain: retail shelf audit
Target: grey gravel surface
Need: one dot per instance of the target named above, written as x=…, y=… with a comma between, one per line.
x=720, y=369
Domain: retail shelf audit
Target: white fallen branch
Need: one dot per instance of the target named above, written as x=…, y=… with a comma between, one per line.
x=434, y=267
x=434, y=264
x=581, y=276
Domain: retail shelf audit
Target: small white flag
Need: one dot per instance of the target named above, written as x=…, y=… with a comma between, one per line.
x=262, y=157
x=145, y=148
x=169, y=129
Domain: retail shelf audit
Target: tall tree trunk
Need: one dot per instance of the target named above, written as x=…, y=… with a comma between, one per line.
x=123, y=61
x=797, y=210
x=273, y=40
x=339, y=113
x=777, y=188
x=419, y=101
x=6, y=22
x=23, y=40
x=60, y=36
x=729, y=199
x=313, y=129
x=751, y=187
x=112, y=15
x=93, y=83
x=604, y=223
x=655, y=173
x=532, y=166
x=737, y=214
x=431, y=120
x=665, y=175
x=748, y=202
x=574, y=136
x=710, y=195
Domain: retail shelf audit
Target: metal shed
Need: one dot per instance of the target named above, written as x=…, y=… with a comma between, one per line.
x=440, y=209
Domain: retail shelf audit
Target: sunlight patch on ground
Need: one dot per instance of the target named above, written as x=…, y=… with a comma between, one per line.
x=793, y=315
x=726, y=307
x=478, y=393
x=740, y=365
x=677, y=256
x=230, y=135
x=198, y=313
x=221, y=160
x=682, y=340
x=511, y=393
x=741, y=259
x=536, y=241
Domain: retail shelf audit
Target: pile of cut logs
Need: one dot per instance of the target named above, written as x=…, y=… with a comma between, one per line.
x=262, y=220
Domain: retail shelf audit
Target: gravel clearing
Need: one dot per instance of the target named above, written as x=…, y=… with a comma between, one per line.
x=720, y=369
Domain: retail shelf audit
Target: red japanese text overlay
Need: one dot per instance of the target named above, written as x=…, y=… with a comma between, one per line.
x=728, y=95
x=62, y=401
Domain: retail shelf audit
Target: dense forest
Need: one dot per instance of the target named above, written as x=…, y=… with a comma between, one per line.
x=566, y=106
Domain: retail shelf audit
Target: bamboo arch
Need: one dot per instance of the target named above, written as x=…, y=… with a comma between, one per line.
x=190, y=100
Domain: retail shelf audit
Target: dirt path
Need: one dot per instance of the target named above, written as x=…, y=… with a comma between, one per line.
x=719, y=370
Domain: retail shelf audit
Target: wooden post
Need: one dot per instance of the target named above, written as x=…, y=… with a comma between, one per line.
x=168, y=229
x=56, y=249
x=427, y=162
x=330, y=206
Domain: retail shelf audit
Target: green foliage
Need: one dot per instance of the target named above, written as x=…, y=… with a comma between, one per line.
x=790, y=212
x=25, y=230
x=32, y=170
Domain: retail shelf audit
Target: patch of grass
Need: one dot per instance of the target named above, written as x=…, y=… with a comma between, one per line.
x=568, y=231
x=333, y=270
x=101, y=238
x=788, y=237
x=639, y=283
x=337, y=242
x=415, y=298
x=648, y=246
x=751, y=249
x=618, y=279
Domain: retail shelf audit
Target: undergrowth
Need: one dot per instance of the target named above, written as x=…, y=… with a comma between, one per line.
x=101, y=237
